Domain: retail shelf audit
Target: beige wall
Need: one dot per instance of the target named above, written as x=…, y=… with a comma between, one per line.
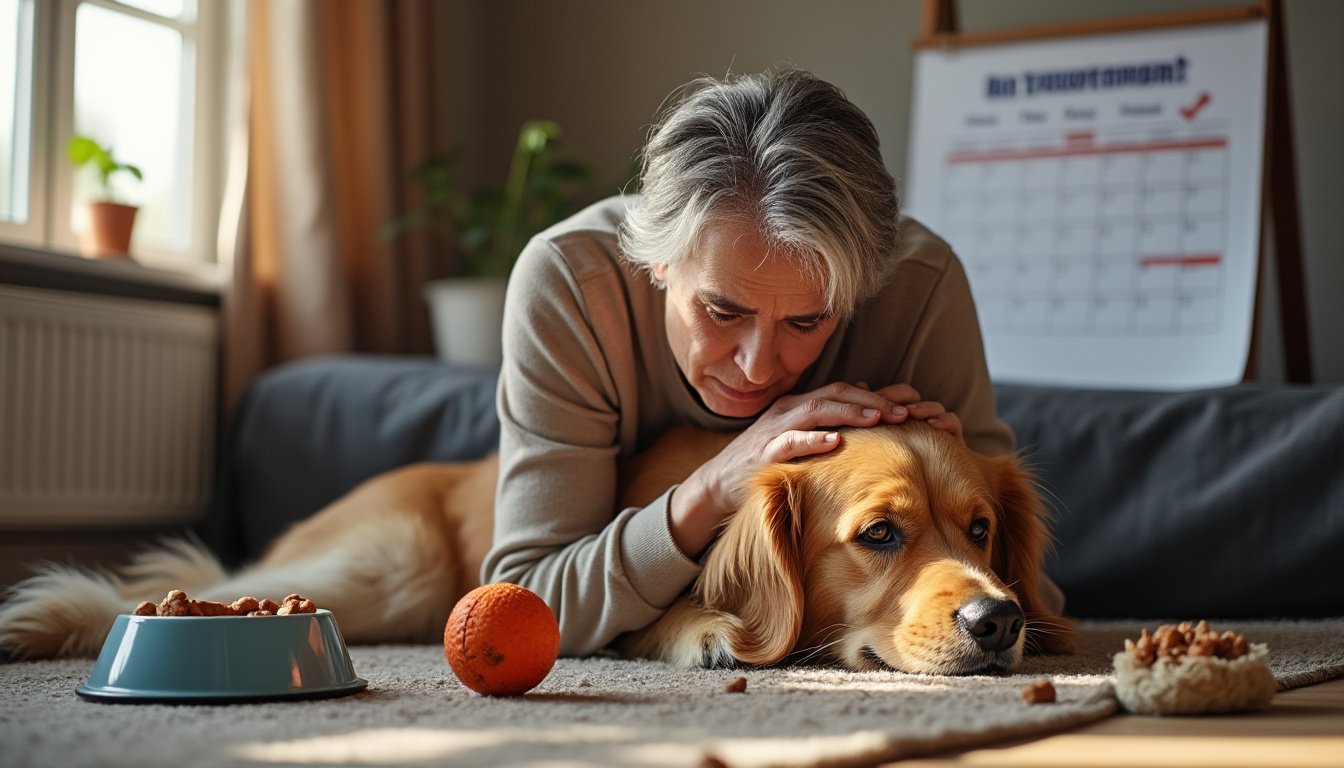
x=602, y=67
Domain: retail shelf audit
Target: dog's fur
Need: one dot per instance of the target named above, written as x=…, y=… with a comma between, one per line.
x=789, y=577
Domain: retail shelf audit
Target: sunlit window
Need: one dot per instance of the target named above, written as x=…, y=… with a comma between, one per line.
x=134, y=91
x=150, y=80
x=16, y=104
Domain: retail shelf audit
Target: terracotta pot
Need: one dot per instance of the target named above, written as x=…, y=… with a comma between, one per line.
x=109, y=230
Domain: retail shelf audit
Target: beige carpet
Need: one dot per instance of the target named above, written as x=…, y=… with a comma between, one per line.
x=599, y=712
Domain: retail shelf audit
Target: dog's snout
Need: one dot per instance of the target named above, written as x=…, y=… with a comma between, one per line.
x=994, y=624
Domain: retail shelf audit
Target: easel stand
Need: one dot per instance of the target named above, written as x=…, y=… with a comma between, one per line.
x=1279, y=200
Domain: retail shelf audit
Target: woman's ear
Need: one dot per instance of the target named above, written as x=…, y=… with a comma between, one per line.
x=753, y=572
x=659, y=272
x=1019, y=551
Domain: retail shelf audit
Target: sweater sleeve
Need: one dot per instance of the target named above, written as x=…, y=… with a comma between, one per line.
x=557, y=531
x=946, y=361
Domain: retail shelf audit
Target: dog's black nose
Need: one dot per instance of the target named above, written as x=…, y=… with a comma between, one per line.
x=995, y=624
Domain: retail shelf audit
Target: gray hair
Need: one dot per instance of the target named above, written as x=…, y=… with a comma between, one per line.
x=784, y=151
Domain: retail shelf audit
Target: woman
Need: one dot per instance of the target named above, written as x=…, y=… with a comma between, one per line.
x=760, y=283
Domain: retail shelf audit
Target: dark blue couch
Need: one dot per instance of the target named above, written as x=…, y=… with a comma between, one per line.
x=1224, y=503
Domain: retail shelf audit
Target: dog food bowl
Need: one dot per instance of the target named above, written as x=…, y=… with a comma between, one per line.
x=222, y=659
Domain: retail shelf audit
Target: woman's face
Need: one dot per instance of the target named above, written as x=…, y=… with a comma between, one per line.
x=743, y=322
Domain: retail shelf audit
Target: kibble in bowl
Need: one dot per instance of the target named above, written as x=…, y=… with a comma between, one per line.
x=1182, y=669
x=189, y=651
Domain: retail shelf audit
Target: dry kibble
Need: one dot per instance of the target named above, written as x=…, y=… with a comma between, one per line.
x=1174, y=641
x=176, y=603
x=1203, y=647
x=296, y=604
x=737, y=685
x=244, y=605
x=1039, y=692
x=212, y=608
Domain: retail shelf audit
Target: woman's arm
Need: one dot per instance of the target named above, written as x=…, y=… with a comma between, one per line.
x=558, y=531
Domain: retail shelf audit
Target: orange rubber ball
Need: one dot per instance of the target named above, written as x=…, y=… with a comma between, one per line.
x=501, y=640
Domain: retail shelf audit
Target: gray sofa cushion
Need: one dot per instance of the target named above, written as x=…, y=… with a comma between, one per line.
x=1225, y=502
x=309, y=431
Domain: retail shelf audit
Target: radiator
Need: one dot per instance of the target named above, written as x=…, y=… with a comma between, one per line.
x=107, y=410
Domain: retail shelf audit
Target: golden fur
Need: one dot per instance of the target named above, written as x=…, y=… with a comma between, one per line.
x=788, y=577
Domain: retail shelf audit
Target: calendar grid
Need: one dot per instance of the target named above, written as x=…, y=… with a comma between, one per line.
x=1096, y=232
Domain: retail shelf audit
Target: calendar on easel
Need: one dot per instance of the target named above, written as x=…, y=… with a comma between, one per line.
x=1103, y=188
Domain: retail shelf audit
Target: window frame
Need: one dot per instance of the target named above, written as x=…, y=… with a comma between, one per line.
x=207, y=39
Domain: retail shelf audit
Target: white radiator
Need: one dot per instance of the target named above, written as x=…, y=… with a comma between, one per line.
x=107, y=409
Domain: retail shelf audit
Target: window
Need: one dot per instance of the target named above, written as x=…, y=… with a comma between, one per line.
x=16, y=109
x=150, y=78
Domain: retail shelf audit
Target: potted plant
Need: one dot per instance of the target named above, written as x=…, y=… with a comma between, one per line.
x=488, y=228
x=109, y=223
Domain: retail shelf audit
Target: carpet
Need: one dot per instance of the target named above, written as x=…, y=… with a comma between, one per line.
x=602, y=711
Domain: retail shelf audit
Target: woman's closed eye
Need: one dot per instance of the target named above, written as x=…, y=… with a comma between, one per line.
x=720, y=316
x=798, y=324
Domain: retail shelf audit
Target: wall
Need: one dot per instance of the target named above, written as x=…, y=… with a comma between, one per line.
x=602, y=68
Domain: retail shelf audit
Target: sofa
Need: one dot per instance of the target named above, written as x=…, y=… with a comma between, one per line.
x=1220, y=503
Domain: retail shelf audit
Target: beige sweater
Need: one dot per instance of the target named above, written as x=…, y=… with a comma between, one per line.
x=588, y=378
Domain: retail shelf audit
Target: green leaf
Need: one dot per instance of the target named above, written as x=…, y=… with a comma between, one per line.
x=82, y=150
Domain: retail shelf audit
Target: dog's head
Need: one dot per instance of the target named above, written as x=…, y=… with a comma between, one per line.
x=899, y=549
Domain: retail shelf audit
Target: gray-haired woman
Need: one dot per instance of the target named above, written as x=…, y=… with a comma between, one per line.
x=760, y=282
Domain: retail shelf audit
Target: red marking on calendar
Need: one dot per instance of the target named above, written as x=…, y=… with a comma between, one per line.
x=1079, y=137
x=1200, y=103
x=1076, y=149
x=1181, y=260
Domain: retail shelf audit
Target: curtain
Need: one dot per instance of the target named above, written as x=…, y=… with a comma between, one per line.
x=344, y=98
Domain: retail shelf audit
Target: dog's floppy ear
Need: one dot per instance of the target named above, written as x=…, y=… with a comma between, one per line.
x=754, y=571
x=1018, y=551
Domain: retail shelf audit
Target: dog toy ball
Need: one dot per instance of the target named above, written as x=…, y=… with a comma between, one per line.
x=501, y=640
x=1185, y=670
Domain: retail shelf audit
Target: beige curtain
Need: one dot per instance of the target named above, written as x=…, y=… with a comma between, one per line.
x=345, y=97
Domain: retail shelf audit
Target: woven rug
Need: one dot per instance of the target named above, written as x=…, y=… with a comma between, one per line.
x=602, y=712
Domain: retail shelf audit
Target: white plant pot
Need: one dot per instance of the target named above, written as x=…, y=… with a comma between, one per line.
x=467, y=315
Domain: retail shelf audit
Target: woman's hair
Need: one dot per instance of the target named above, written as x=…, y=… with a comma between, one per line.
x=783, y=151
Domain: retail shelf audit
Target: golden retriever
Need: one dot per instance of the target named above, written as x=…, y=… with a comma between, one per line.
x=900, y=549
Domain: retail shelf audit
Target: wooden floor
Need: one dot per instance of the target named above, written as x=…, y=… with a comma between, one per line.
x=1302, y=727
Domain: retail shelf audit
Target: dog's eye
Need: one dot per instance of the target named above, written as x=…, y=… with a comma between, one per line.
x=881, y=535
x=979, y=531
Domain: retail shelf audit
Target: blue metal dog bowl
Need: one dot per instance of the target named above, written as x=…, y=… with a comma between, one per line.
x=222, y=659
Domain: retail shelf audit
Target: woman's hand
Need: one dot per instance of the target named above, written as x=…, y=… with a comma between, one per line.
x=793, y=426
x=931, y=412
